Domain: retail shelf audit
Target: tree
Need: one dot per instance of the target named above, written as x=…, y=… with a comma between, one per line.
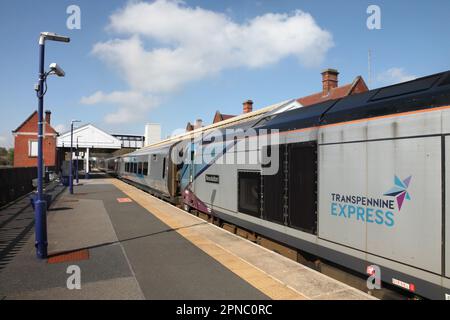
x=11, y=156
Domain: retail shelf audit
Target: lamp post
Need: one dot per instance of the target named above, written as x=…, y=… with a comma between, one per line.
x=78, y=154
x=40, y=213
x=71, y=156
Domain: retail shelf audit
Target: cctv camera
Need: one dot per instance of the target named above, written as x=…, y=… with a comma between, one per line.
x=55, y=69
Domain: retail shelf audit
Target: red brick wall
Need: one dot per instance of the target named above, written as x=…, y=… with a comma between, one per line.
x=21, y=158
x=28, y=132
x=360, y=87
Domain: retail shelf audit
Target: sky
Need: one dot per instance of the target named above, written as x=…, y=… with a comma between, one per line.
x=170, y=62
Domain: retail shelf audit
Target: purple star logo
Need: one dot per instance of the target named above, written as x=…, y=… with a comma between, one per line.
x=400, y=191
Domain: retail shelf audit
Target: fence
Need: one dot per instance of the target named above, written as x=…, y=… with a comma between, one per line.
x=15, y=182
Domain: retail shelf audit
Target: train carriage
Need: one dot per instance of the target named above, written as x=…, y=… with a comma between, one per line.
x=360, y=181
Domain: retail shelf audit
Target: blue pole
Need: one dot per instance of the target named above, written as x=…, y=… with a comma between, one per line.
x=70, y=163
x=78, y=152
x=40, y=204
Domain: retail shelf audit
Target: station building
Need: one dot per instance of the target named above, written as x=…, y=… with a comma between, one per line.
x=88, y=143
x=26, y=142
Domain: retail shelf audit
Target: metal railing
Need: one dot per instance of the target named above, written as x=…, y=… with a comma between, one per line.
x=16, y=182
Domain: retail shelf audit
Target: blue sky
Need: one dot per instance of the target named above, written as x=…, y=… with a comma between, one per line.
x=175, y=62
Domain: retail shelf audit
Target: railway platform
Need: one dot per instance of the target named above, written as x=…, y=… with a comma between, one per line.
x=127, y=244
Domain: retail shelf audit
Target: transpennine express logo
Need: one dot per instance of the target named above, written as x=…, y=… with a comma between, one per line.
x=372, y=210
x=400, y=191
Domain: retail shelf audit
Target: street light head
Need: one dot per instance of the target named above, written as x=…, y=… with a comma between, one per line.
x=55, y=69
x=53, y=37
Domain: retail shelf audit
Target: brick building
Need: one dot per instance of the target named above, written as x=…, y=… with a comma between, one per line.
x=330, y=91
x=26, y=142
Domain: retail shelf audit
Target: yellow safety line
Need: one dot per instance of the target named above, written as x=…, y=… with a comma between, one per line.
x=257, y=278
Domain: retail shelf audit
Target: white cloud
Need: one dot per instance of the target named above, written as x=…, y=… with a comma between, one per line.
x=195, y=43
x=394, y=75
x=60, y=128
x=132, y=105
x=167, y=44
x=6, y=141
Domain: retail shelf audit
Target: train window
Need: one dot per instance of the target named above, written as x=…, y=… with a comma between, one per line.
x=126, y=166
x=164, y=168
x=139, y=168
x=249, y=184
x=154, y=157
x=134, y=167
x=145, y=169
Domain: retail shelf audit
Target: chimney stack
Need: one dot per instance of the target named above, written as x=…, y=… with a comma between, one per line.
x=329, y=80
x=198, y=123
x=47, y=116
x=247, y=106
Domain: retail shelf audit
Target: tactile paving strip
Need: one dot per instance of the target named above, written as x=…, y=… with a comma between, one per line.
x=69, y=256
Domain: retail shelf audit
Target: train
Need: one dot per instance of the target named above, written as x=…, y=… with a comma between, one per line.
x=361, y=181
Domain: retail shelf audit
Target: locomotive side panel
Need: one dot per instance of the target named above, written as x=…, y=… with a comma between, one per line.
x=447, y=208
x=384, y=197
x=408, y=173
x=216, y=184
x=340, y=169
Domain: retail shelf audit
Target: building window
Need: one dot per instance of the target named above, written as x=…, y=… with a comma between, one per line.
x=32, y=148
x=249, y=184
